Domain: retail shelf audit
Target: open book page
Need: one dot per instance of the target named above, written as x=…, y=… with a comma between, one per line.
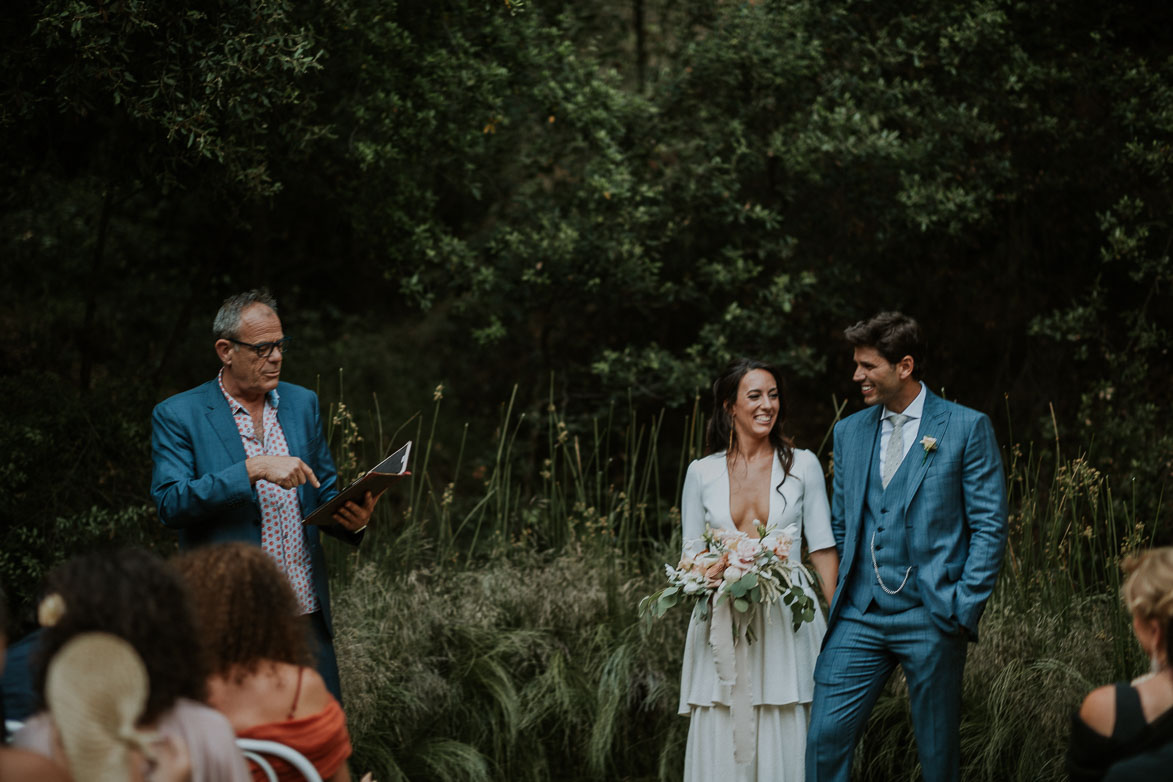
x=375, y=480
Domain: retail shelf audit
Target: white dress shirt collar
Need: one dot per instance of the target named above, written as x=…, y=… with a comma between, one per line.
x=915, y=408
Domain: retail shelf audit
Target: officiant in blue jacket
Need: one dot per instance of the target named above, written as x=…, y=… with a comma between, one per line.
x=243, y=457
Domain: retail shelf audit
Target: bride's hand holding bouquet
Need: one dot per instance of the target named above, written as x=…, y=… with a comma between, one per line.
x=736, y=566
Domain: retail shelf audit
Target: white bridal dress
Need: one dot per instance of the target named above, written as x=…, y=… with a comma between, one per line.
x=778, y=667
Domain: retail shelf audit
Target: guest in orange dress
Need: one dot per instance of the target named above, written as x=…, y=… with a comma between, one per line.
x=263, y=679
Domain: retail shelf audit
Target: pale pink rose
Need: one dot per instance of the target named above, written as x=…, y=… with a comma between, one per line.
x=732, y=573
x=729, y=538
x=716, y=571
x=703, y=561
x=782, y=549
x=748, y=550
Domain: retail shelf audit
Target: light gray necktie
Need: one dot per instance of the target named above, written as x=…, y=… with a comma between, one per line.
x=895, y=452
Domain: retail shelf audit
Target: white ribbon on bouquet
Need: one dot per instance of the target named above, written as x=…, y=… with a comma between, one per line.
x=732, y=662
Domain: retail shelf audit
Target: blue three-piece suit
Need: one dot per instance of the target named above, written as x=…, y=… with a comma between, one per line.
x=939, y=528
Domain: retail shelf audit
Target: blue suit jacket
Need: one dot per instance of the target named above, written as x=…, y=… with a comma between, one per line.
x=954, y=509
x=200, y=484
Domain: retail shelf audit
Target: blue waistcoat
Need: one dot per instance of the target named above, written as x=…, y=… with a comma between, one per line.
x=882, y=516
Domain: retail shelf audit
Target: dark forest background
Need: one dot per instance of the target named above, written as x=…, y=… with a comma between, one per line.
x=597, y=203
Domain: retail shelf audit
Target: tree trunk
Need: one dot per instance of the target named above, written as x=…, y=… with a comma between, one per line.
x=641, y=53
x=85, y=337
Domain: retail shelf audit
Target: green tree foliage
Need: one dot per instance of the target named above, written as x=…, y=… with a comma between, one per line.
x=622, y=194
x=132, y=131
x=786, y=168
x=140, y=134
x=139, y=91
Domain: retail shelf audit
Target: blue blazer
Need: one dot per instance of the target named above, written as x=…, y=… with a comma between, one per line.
x=200, y=484
x=954, y=509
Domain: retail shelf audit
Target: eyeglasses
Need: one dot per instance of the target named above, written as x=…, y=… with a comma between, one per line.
x=264, y=349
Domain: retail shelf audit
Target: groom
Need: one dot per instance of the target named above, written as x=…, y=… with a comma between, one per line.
x=919, y=515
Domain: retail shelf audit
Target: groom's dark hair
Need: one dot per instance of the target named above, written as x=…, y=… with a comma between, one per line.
x=894, y=335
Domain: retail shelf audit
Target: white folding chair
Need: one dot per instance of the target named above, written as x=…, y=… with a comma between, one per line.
x=255, y=750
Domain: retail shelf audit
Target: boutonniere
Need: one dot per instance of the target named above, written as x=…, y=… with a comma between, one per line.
x=929, y=444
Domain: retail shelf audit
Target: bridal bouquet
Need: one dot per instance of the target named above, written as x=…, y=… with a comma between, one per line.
x=746, y=569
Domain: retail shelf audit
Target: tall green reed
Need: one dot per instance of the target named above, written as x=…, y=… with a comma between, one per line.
x=580, y=483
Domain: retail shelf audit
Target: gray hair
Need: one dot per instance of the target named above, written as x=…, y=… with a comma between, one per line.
x=226, y=325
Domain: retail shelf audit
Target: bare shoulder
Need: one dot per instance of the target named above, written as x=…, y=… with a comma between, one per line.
x=314, y=695
x=257, y=697
x=20, y=764
x=1098, y=711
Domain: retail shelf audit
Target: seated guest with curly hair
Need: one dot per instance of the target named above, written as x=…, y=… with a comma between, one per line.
x=262, y=676
x=1120, y=721
x=134, y=595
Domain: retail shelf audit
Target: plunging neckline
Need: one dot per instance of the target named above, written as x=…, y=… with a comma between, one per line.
x=769, y=495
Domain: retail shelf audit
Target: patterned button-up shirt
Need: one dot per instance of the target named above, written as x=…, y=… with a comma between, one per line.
x=282, y=536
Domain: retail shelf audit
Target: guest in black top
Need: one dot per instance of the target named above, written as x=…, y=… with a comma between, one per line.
x=1122, y=721
x=1148, y=767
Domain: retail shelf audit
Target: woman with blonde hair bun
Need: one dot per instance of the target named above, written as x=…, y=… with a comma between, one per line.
x=96, y=688
x=1120, y=721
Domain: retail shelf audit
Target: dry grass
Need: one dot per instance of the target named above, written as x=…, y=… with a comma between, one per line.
x=527, y=667
x=533, y=667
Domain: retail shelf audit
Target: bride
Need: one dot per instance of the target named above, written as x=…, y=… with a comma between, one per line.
x=754, y=474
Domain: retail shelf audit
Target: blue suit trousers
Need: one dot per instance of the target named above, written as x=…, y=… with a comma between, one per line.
x=861, y=651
